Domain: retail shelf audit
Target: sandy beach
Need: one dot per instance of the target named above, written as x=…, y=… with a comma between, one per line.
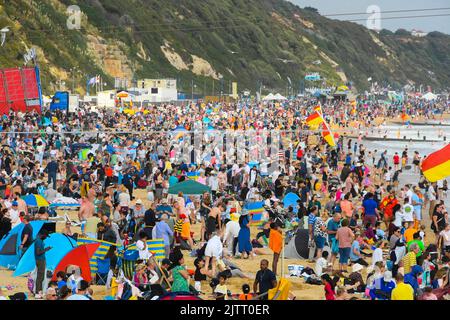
x=299, y=288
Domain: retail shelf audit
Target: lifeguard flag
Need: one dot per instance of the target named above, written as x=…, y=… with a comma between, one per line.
x=314, y=119
x=437, y=165
x=327, y=136
x=318, y=108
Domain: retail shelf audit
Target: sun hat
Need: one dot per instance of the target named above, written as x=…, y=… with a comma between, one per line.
x=357, y=267
x=138, y=201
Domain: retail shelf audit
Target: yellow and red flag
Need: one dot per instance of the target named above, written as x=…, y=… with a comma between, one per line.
x=437, y=165
x=314, y=119
x=327, y=135
x=318, y=108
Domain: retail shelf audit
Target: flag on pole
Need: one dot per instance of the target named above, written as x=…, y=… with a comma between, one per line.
x=314, y=119
x=318, y=108
x=327, y=135
x=437, y=165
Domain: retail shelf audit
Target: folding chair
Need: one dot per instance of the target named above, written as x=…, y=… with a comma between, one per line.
x=101, y=276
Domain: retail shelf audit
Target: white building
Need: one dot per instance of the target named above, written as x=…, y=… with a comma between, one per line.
x=418, y=33
x=157, y=90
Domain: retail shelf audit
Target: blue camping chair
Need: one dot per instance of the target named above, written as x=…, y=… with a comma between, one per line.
x=103, y=266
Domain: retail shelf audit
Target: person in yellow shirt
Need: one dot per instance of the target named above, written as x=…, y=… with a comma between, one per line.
x=402, y=291
x=410, y=260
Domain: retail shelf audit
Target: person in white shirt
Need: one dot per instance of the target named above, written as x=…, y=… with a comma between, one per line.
x=141, y=245
x=408, y=211
x=14, y=215
x=213, y=252
x=321, y=264
x=399, y=218
x=431, y=194
x=408, y=193
x=117, y=169
x=445, y=234
x=230, y=237
x=377, y=254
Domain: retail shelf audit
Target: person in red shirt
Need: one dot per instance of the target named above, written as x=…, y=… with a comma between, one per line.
x=329, y=287
x=387, y=206
x=396, y=161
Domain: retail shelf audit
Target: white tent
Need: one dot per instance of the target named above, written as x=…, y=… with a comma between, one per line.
x=269, y=97
x=429, y=96
x=279, y=97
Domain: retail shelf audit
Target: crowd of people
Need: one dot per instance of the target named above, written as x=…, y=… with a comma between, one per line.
x=368, y=233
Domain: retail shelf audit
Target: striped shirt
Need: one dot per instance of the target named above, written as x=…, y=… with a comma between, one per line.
x=409, y=260
x=311, y=219
x=178, y=226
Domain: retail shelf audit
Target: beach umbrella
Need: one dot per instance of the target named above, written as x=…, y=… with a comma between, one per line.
x=61, y=245
x=298, y=248
x=122, y=94
x=80, y=257
x=291, y=200
x=35, y=200
x=252, y=164
x=206, y=120
x=189, y=187
x=10, y=243
x=64, y=202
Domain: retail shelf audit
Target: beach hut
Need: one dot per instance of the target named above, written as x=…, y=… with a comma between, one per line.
x=80, y=257
x=61, y=245
x=189, y=187
x=9, y=245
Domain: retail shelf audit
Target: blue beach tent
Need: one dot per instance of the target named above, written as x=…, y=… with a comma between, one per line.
x=61, y=245
x=10, y=243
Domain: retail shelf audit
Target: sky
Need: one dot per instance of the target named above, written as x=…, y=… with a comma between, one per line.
x=426, y=24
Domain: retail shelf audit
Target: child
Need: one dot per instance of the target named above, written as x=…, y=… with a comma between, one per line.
x=61, y=279
x=321, y=264
x=354, y=222
x=178, y=229
x=74, y=281
x=329, y=287
x=221, y=290
x=245, y=295
x=186, y=230
x=199, y=274
x=379, y=233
